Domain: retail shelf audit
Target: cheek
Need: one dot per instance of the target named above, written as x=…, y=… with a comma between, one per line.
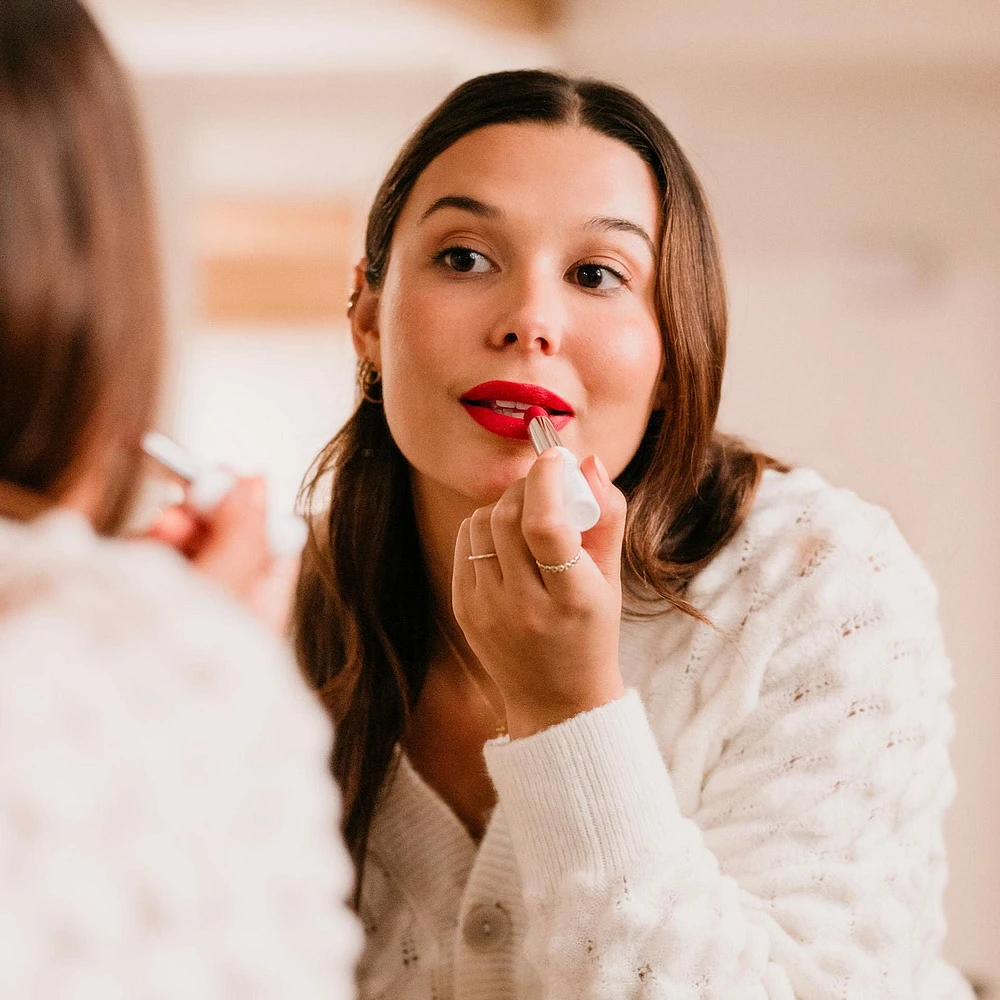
x=638, y=359
x=418, y=351
x=420, y=328
x=628, y=371
x=629, y=365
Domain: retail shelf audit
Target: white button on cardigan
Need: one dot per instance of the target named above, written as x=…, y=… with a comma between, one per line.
x=486, y=927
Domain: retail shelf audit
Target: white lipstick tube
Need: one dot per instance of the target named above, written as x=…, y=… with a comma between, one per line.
x=583, y=510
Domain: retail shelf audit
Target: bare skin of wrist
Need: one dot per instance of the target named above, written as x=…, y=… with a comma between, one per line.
x=527, y=719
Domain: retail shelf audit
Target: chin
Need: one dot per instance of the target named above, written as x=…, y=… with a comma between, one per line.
x=490, y=482
x=487, y=491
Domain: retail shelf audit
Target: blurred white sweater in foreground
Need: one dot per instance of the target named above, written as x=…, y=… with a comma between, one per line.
x=168, y=827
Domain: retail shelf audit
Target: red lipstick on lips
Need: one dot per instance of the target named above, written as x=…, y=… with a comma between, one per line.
x=500, y=406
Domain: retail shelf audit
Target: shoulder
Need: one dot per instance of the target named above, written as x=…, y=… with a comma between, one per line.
x=824, y=601
x=111, y=593
x=818, y=589
x=824, y=635
x=816, y=547
x=78, y=612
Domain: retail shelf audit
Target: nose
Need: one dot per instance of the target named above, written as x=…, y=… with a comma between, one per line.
x=532, y=316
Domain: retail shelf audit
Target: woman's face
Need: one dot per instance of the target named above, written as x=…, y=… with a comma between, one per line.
x=524, y=255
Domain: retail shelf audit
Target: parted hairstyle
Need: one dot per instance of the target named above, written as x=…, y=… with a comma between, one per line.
x=80, y=324
x=363, y=614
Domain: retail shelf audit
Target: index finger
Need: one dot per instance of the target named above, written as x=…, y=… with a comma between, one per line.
x=544, y=521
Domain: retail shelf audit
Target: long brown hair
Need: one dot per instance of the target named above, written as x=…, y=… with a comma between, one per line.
x=363, y=610
x=80, y=335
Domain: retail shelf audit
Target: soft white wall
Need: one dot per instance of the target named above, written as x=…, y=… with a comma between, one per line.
x=265, y=402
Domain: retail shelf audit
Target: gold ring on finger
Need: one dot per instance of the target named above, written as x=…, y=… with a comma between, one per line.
x=560, y=567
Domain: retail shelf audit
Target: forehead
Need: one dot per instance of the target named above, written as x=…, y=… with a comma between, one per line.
x=538, y=170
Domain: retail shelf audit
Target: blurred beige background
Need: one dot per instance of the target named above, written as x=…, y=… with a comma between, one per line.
x=849, y=150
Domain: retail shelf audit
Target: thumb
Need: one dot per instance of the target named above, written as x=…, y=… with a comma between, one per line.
x=603, y=541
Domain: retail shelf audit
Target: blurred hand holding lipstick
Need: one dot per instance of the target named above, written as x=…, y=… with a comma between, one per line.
x=221, y=524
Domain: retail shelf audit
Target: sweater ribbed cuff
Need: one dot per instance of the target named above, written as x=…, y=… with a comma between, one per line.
x=590, y=794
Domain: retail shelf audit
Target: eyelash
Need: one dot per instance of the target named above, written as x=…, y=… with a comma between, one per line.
x=441, y=258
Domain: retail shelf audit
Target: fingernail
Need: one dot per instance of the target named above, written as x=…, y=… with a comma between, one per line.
x=602, y=473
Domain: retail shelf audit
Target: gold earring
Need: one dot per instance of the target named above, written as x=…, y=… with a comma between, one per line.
x=368, y=377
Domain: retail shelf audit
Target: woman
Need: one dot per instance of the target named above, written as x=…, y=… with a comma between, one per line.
x=734, y=790
x=166, y=825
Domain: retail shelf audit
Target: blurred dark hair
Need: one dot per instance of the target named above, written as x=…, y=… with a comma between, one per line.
x=80, y=325
x=364, y=604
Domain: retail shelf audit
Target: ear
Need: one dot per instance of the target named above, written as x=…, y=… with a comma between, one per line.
x=363, y=315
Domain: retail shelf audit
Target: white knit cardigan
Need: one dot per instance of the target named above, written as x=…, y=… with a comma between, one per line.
x=758, y=817
x=168, y=827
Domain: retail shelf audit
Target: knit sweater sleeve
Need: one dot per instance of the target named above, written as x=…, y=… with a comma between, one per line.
x=805, y=859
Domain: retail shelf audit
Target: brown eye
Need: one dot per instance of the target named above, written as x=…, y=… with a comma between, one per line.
x=597, y=276
x=464, y=260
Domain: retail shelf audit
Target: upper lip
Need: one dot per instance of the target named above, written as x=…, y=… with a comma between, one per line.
x=517, y=392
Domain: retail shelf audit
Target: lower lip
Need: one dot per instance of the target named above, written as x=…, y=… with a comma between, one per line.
x=509, y=427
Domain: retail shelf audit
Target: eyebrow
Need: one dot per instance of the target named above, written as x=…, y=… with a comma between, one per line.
x=604, y=223
x=608, y=224
x=465, y=204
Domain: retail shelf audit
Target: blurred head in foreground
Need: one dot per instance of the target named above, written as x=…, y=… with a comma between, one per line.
x=80, y=324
